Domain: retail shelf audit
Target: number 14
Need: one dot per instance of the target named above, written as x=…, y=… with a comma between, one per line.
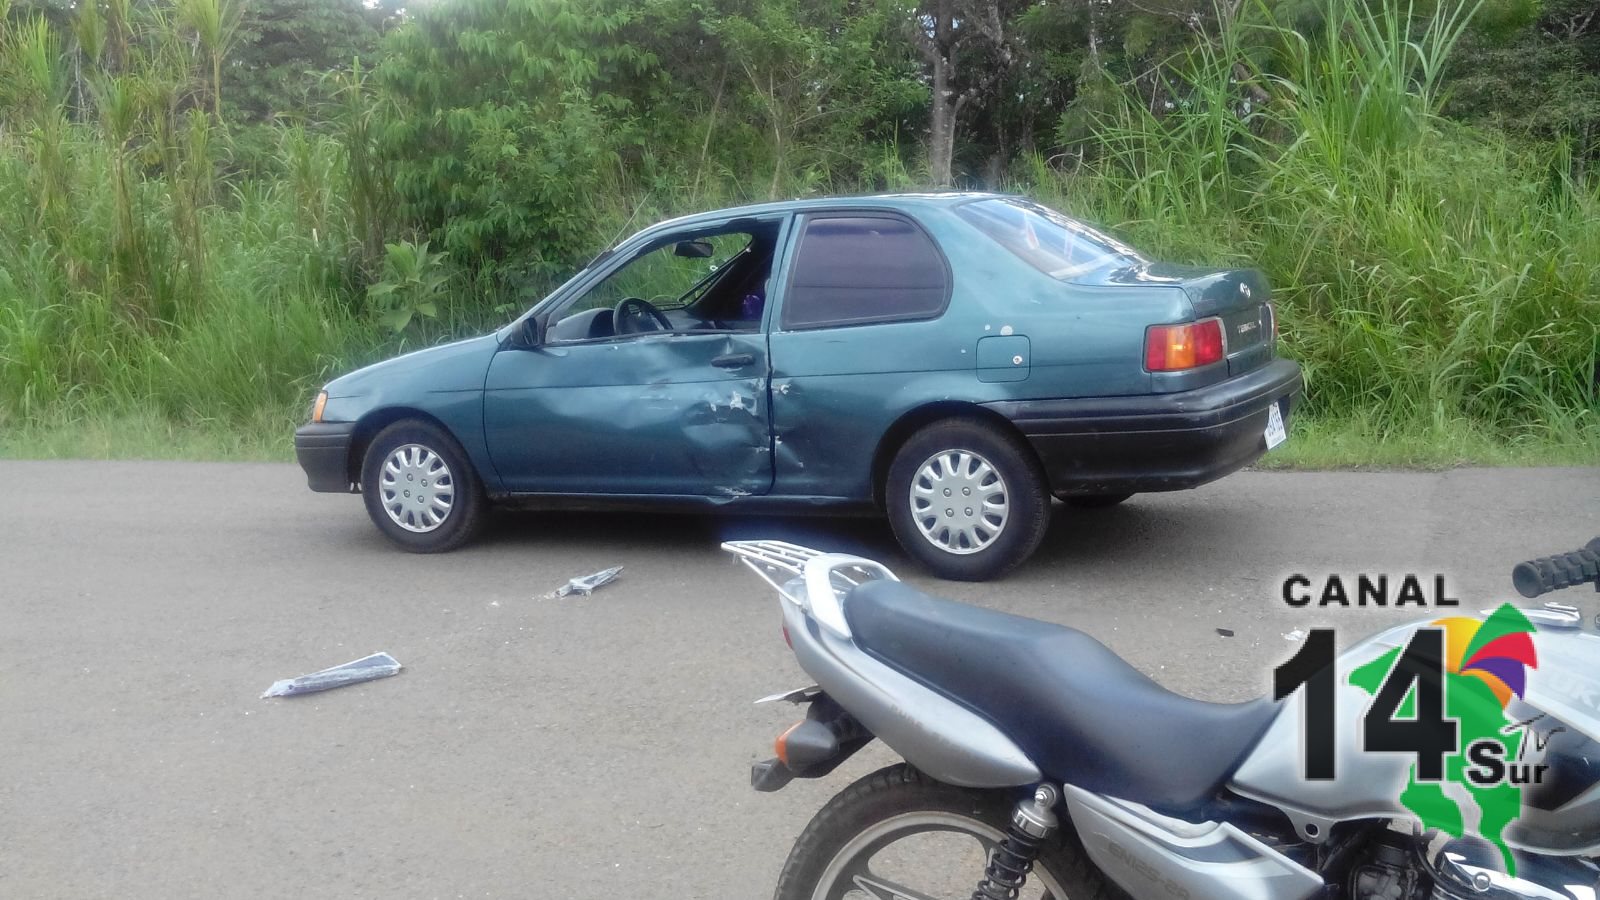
x=1426, y=732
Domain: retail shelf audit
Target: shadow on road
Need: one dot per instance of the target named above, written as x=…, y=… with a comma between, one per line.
x=1131, y=534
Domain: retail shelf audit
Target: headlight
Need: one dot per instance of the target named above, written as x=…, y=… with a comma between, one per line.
x=316, y=408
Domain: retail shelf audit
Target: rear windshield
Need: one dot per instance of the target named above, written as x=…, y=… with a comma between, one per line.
x=1047, y=240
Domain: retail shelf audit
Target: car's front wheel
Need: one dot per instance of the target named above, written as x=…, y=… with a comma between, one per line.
x=967, y=500
x=419, y=488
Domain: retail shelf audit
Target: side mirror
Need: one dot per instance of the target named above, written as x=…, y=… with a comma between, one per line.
x=531, y=333
x=694, y=249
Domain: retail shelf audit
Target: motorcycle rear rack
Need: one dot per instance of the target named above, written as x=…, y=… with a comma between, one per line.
x=815, y=581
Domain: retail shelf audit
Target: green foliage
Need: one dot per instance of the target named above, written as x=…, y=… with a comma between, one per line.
x=1537, y=75
x=1428, y=276
x=286, y=49
x=209, y=206
x=507, y=122
x=413, y=283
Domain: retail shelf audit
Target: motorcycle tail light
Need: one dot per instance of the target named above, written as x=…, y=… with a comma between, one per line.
x=1172, y=348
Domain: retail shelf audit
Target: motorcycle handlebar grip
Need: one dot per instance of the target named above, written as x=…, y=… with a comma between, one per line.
x=1552, y=573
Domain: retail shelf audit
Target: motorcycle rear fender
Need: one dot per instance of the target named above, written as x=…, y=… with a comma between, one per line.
x=942, y=738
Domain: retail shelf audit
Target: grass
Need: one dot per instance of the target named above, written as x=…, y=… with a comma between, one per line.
x=1313, y=444
x=1358, y=444
x=1439, y=285
x=151, y=435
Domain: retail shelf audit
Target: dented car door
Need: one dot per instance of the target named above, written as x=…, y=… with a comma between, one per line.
x=660, y=413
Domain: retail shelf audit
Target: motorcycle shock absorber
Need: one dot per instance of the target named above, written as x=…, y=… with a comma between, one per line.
x=1033, y=821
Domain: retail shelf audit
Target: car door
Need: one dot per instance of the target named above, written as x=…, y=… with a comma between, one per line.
x=857, y=338
x=681, y=412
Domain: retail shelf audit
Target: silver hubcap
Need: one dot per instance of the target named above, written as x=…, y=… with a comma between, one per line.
x=417, y=488
x=958, y=501
x=870, y=867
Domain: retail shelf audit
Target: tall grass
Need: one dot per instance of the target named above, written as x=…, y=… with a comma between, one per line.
x=233, y=311
x=1429, y=277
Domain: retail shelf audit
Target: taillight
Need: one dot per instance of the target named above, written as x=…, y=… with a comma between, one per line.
x=1169, y=348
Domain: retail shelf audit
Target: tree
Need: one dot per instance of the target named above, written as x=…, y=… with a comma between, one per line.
x=285, y=48
x=817, y=73
x=509, y=112
x=1536, y=75
x=215, y=24
x=948, y=32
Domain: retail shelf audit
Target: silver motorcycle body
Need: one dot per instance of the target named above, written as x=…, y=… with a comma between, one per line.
x=1563, y=698
x=1180, y=845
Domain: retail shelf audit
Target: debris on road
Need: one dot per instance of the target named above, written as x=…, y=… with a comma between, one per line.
x=586, y=584
x=367, y=668
x=1225, y=632
x=1295, y=635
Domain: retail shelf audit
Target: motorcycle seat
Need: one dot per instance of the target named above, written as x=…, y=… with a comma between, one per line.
x=1082, y=714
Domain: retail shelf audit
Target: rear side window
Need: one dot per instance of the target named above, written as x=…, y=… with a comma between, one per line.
x=1056, y=245
x=857, y=269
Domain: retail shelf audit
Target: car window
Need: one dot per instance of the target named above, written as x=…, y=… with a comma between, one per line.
x=857, y=269
x=1056, y=245
x=661, y=276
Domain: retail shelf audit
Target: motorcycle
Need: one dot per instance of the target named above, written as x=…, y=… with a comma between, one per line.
x=1037, y=759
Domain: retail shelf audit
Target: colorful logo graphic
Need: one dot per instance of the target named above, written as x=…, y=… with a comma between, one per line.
x=1497, y=650
x=1448, y=705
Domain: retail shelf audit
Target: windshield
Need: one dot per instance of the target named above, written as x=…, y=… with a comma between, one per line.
x=1047, y=240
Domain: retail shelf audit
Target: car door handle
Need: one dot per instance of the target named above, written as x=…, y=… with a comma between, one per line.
x=734, y=360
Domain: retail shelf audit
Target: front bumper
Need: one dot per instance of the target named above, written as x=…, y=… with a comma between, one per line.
x=1154, y=442
x=323, y=451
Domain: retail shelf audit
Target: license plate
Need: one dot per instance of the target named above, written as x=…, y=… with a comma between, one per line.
x=1276, y=434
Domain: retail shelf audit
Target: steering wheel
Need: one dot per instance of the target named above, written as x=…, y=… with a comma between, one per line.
x=632, y=313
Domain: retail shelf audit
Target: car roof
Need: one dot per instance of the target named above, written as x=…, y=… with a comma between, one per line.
x=873, y=201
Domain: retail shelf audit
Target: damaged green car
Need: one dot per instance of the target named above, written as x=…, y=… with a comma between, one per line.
x=952, y=361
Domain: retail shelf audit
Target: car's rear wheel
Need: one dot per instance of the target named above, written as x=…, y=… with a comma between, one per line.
x=1094, y=501
x=967, y=500
x=420, y=489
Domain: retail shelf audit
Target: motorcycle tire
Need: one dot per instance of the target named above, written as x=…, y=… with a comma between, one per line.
x=826, y=863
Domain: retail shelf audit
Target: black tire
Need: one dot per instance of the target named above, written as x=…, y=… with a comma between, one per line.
x=1027, y=496
x=1094, y=501
x=466, y=500
x=901, y=789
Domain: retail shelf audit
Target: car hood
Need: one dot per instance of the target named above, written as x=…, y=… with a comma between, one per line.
x=458, y=366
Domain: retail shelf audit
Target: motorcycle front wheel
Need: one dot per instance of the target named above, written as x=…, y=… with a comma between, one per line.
x=899, y=835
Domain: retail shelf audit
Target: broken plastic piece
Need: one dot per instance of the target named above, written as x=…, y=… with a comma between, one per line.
x=1225, y=632
x=585, y=584
x=367, y=668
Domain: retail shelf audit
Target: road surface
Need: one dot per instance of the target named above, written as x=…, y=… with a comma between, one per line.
x=585, y=747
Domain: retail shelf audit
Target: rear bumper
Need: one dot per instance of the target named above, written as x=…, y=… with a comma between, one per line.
x=1154, y=442
x=323, y=451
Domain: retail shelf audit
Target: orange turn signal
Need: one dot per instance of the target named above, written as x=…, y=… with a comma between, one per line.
x=781, y=745
x=317, y=407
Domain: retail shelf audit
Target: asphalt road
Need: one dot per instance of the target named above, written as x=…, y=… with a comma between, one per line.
x=583, y=747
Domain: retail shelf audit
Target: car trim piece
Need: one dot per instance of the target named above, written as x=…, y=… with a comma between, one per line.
x=1214, y=404
x=323, y=451
x=747, y=504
